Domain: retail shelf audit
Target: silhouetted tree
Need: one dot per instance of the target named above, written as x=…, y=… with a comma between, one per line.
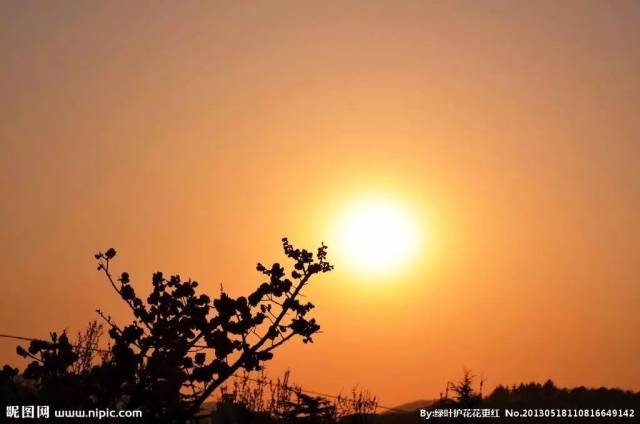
x=465, y=395
x=87, y=348
x=181, y=345
x=52, y=371
x=308, y=409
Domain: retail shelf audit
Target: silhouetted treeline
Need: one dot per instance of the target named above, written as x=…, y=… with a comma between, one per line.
x=533, y=395
x=540, y=397
x=547, y=395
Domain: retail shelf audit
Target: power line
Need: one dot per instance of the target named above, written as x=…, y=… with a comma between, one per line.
x=29, y=339
x=311, y=392
x=16, y=337
x=245, y=377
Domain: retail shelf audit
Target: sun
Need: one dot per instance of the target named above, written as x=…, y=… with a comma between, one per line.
x=376, y=236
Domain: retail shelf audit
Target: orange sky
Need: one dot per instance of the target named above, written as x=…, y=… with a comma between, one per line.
x=191, y=136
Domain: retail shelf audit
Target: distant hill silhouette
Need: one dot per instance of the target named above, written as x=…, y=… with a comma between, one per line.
x=414, y=406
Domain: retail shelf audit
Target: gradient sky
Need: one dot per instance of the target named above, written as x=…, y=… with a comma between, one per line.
x=191, y=136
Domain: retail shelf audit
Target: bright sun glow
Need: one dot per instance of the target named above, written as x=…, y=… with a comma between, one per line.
x=376, y=237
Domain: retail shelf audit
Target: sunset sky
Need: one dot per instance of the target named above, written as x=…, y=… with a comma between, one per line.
x=192, y=136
